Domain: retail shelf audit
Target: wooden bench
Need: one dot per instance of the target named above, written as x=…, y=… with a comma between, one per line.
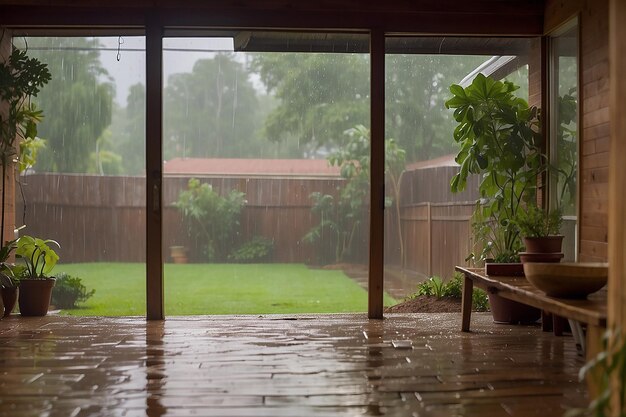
x=591, y=311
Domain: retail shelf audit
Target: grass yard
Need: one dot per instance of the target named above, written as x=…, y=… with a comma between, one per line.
x=219, y=289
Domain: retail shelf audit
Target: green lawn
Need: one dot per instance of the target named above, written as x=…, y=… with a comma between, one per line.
x=219, y=289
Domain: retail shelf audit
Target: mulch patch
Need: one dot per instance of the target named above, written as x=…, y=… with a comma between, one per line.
x=427, y=304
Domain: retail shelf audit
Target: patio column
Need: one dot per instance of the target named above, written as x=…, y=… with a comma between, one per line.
x=154, y=170
x=617, y=176
x=375, y=286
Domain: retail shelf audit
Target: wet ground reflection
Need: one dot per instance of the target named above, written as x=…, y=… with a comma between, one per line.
x=332, y=365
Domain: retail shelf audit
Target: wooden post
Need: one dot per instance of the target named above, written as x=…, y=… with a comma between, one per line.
x=617, y=176
x=377, y=175
x=154, y=170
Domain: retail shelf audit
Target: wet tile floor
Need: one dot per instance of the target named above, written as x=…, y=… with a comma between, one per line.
x=320, y=365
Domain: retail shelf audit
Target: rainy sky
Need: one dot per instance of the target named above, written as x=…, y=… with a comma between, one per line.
x=179, y=56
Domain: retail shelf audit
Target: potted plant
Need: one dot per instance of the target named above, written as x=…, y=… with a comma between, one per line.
x=35, y=284
x=540, y=230
x=8, y=282
x=499, y=138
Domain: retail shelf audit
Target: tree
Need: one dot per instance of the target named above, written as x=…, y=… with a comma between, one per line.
x=78, y=102
x=321, y=96
x=341, y=216
x=416, y=89
x=128, y=131
x=209, y=112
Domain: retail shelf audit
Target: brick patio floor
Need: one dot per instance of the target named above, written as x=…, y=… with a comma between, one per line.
x=319, y=365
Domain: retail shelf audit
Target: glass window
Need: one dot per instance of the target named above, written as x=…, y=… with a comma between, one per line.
x=427, y=227
x=266, y=172
x=564, y=131
x=87, y=188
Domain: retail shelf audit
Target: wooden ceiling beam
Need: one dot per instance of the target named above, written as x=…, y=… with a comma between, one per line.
x=443, y=17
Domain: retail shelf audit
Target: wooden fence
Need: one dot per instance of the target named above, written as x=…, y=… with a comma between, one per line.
x=101, y=218
x=435, y=223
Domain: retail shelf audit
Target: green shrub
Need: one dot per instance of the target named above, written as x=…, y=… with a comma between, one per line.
x=212, y=220
x=68, y=291
x=257, y=249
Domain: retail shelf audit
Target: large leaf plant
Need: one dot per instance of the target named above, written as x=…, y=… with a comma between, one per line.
x=499, y=138
x=21, y=78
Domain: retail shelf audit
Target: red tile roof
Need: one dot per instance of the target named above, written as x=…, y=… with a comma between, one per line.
x=442, y=161
x=250, y=167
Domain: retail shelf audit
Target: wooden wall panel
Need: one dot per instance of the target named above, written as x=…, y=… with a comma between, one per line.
x=594, y=124
x=617, y=201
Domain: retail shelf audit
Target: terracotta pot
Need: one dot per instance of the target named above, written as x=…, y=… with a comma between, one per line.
x=35, y=296
x=511, y=312
x=526, y=257
x=178, y=254
x=546, y=244
x=9, y=297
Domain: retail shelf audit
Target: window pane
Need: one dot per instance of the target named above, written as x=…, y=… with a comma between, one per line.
x=564, y=132
x=266, y=148
x=427, y=227
x=87, y=188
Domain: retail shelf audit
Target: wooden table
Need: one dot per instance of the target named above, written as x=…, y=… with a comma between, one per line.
x=592, y=311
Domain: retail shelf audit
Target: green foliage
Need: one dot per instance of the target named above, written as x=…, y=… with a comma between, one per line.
x=436, y=287
x=68, y=291
x=209, y=112
x=606, y=369
x=212, y=219
x=567, y=151
x=499, y=243
x=7, y=275
x=78, y=101
x=321, y=95
x=342, y=216
x=534, y=221
x=39, y=258
x=257, y=249
x=498, y=135
x=21, y=78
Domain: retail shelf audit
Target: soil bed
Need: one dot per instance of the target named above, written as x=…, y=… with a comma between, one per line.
x=427, y=304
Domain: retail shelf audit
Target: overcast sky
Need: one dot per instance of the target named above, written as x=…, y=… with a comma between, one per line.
x=179, y=56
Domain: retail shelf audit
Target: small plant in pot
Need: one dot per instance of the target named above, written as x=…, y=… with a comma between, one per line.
x=540, y=230
x=35, y=282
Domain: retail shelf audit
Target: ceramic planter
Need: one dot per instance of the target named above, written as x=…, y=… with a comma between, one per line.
x=506, y=311
x=35, y=296
x=178, y=254
x=546, y=244
x=553, y=257
x=9, y=298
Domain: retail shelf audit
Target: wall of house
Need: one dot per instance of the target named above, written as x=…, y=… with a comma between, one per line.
x=594, y=121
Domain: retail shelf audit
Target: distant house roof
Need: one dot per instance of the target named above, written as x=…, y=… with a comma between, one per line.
x=442, y=161
x=250, y=167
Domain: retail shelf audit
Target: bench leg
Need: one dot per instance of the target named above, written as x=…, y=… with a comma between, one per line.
x=466, y=303
x=593, y=347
